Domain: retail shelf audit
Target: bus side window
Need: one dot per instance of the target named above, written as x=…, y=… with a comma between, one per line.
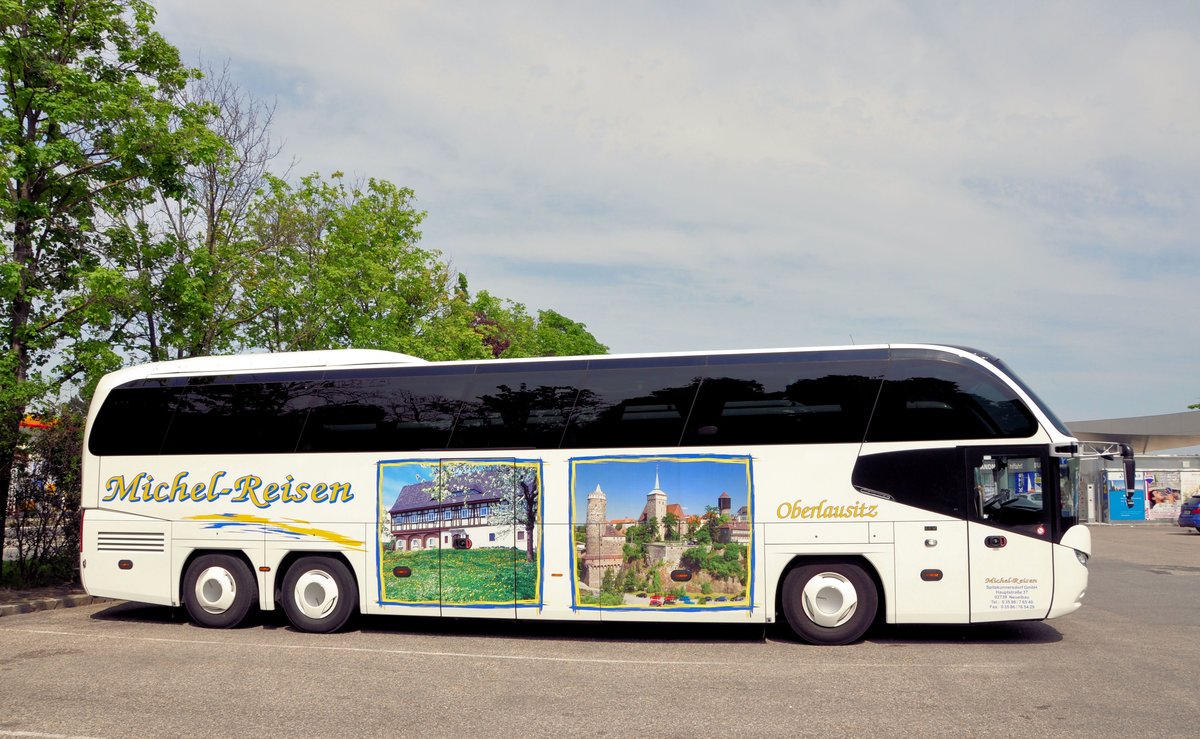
x=784, y=402
x=244, y=418
x=627, y=404
x=384, y=411
x=1009, y=491
x=525, y=408
x=132, y=421
x=928, y=400
x=930, y=479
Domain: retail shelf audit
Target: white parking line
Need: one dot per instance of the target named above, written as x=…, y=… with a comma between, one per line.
x=4, y=732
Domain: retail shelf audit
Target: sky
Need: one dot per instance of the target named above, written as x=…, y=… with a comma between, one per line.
x=691, y=482
x=1019, y=177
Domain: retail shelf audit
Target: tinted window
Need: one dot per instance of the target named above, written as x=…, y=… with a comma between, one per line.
x=927, y=399
x=813, y=397
x=521, y=409
x=133, y=420
x=930, y=479
x=243, y=418
x=372, y=412
x=633, y=403
x=784, y=402
x=204, y=416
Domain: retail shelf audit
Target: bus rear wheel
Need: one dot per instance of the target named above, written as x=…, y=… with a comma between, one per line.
x=319, y=594
x=218, y=590
x=830, y=602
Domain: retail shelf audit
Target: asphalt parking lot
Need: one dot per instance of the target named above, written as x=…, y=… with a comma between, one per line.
x=1125, y=664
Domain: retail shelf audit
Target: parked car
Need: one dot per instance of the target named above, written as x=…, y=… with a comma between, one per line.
x=685, y=599
x=642, y=594
x=669, y=600
x=656, y=601
x=1189, y=513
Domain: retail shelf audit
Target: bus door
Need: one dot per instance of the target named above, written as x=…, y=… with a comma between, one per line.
x=930, y=536
x=481, y=536
x=1009, y=532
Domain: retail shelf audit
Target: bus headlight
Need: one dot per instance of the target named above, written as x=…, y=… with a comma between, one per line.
x=1082, y=557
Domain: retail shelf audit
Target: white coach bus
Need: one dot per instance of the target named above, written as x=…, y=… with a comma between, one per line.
x=830, y=487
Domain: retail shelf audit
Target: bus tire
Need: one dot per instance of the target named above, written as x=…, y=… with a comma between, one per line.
x=829, y=603
x=319, y=594
x=218, y=590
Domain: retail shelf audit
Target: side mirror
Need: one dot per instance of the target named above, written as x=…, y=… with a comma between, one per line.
x=1130, y=468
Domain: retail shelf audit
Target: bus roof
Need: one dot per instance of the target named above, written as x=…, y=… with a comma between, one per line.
x=280, y=360
x=265, y=361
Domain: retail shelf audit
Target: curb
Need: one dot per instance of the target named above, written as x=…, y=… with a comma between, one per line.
x=51, y=604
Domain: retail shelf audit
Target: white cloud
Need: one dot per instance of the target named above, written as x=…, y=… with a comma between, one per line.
x=1018, y=176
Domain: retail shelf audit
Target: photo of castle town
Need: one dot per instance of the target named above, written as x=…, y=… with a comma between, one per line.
x=662, y=532
x=460, y=533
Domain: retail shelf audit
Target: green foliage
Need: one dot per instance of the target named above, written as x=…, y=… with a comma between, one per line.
x=629, y=580
x=461, y=576
x=639, y=534
x=728, y=562
x=633, y=551
x=608, y=583
x=508, y=331
x=670, y=527
x=603, y=599
x=340, y=266
x=89, y=125
x=555, y=335
x=653, y=530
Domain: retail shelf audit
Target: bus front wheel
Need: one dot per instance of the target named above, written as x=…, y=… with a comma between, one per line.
x=829, y=602
x=319, y=594
x=218, y=590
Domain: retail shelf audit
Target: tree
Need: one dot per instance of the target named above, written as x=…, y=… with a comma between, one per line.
x=654, y=531
x=517, y=486
x=90, y=122
x=713, y=520
x=608, y=582
x=508, y=331
x=339, y=267
x=555, y=335
x=188, y=250
x=629, y=580
x=670, y=526
x=633, y=551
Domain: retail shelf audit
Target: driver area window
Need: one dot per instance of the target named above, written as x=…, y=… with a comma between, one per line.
x=1009, y=492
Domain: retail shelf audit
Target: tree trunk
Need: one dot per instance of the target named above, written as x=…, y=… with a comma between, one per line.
x=10, y=434
x=14, y=406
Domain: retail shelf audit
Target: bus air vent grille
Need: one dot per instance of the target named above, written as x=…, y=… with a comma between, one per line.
x=131, y=541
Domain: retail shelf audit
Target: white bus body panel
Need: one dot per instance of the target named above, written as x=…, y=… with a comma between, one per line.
x=1009, y=582
x=1070, y=575
x=926, y=547
x=143, y=544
